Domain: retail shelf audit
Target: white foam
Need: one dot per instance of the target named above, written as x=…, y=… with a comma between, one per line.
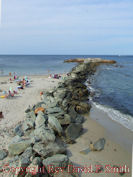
x=123, y=119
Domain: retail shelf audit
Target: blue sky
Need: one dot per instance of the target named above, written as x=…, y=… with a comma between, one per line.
x=66, y=27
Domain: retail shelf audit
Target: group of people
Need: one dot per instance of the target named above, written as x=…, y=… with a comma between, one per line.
x=22, y=83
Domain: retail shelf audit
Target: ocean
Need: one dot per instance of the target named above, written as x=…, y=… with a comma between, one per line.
x=113, y=84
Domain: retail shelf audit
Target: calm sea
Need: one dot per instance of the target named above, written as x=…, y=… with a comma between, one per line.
x=113, y=85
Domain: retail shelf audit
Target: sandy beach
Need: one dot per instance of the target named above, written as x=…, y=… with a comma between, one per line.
x=14, y=111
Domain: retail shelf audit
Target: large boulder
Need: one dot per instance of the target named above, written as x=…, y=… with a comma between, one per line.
x=73, y=131
x=64, y=120
x=45, y=134
x=40, y=119
x=25, y=157
x=3, y=154
x=28, y=124
x=54, y=124
x=18, y=147
x=49, y=149
x=56, y=161
x=54, y=110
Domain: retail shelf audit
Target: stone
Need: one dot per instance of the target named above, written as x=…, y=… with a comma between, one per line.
x=3, y=154
x=46, y=134
x=18, y=147
x=58, y=160
x=28, y=124
x=54, y=124
x=27, y=110
x=31, y=115
x=73, y=131
x=40, y=119
x=65, y=120
x=25, y=157
x=99, y=145
x=83, y=108
x=60, y=93
x=18, y=130
x=16, y=139
x=54, y=110
x=79, y=119
x=37, y=161
x=72, y=112
x=49, y=149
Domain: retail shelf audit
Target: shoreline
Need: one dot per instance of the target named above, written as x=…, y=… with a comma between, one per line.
x=114, y=129
x=93, y=131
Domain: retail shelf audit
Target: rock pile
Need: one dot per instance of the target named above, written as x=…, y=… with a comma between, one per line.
x=41, y=139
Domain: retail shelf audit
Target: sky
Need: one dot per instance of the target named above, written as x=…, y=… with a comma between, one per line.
x=66, y=27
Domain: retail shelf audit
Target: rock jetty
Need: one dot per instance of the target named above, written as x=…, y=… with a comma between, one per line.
x=40, y=140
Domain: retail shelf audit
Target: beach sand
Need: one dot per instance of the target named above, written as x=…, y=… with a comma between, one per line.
x=14, y=112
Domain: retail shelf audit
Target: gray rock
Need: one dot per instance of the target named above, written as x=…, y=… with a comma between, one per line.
x=99, y=145
x=31, y=115
x=25, y=157
x=40, y=119
x=79, y=119
x=48, y=150
x=28, y=124
x=37, y=161
x=3, y=154
x=45, y=134
x=27, y=110
x=54, y=124
x=73, y=131
x=18, y=130
x=64, y=120
x=60, y=93
x=58, y=160
x=54, y=110
x=72, y=112
x=16, y=139
x=18, y=147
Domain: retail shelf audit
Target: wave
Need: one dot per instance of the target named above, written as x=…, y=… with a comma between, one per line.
x=115, y=115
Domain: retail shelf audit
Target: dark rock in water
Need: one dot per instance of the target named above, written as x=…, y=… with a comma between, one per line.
x=3, y=154
x=48, y=150
x=18, y=130
x=45, y=134
x=99, y=145
x=55, y=124
x=73, y=131
x=58, y=160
